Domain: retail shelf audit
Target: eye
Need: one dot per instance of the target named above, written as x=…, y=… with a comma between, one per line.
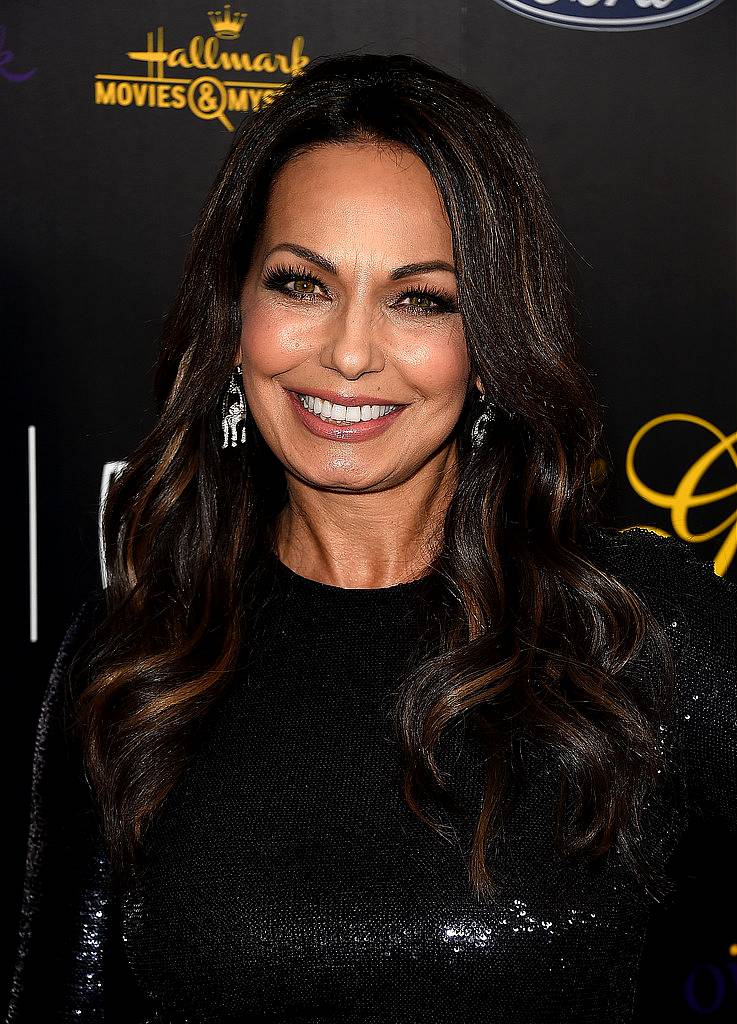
x=278, y=277
x=424, y=301
x=431, y=301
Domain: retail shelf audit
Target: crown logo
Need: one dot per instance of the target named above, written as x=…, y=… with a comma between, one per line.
x=225, y=24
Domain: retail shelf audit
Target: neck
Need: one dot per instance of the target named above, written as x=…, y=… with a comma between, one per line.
x=367, y=538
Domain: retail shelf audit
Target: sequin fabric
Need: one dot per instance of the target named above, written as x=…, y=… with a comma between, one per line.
x=285, y=880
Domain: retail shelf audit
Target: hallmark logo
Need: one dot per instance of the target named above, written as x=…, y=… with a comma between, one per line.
x=225, y=26
x=207, y=96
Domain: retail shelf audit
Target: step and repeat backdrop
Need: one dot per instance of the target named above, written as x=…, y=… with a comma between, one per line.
x=114, y=119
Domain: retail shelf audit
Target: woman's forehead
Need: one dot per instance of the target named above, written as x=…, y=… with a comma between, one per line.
x=371, y=210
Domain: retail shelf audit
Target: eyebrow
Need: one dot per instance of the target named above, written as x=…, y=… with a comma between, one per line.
x=408, y=270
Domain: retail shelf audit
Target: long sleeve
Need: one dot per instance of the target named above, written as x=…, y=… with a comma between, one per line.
x=69, y=963
x=698, y=609
x=707, y=711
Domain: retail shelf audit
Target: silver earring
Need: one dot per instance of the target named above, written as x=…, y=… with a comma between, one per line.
x=234, y=410
x=482, y=422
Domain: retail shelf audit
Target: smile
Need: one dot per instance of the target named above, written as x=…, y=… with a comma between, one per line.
x=349, y=423
x=334, y=413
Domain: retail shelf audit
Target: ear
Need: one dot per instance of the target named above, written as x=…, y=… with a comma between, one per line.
x=477, y=382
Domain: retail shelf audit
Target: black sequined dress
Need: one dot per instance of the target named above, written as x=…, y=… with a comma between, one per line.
x=285, y=880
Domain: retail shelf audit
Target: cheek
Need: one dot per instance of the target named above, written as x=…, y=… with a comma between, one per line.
x=438, y=365
x=269, y=340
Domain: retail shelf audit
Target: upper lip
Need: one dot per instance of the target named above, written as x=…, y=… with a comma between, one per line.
x=335, y=399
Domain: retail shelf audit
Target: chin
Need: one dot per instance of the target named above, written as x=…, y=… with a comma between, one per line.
x=345, y=474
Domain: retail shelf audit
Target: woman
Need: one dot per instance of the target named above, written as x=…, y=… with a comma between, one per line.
x=375, y=720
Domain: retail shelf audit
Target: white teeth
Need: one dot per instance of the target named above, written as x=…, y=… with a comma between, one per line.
x=344, y=413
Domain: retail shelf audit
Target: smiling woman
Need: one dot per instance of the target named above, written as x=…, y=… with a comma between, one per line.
x=360, y=311
x=377, y=719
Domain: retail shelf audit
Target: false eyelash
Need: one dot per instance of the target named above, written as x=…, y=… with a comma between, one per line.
x=277, y=276
x=445, y=303
x=281, y=273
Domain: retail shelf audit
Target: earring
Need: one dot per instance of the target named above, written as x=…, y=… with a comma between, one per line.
x=234, y=410
x=482, y=422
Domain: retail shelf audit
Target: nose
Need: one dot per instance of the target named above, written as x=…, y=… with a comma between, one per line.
x=353, y=346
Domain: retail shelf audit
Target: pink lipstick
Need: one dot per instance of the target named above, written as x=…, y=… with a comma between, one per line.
x=364, y=430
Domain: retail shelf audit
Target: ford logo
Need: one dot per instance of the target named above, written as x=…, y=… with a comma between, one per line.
x=609, y=15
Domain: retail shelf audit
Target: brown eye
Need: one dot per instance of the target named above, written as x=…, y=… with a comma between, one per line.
x=305, y=284
x=426, y=301
x=422, y=301
x=301, y=282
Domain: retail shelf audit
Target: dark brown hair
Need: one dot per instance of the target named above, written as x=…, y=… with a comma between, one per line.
x=533, y=635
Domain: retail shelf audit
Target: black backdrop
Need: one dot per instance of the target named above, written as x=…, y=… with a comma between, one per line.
x=105, y=161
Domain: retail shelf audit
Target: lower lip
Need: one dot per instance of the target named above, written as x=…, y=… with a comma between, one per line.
x=364, y=430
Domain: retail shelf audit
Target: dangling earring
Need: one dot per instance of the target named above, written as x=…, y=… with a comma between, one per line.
x=482, y=422
x=234, y=410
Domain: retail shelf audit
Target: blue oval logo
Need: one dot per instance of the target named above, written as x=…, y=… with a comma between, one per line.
x=609, y=15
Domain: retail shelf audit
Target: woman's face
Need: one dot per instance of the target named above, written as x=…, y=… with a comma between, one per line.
x=351, y=298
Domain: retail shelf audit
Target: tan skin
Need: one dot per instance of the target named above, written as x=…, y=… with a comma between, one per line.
x=360, y=514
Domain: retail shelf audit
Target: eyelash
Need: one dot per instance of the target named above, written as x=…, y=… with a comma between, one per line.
x=277, y=277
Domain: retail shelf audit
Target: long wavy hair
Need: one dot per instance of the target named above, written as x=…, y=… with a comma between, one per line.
x=532, y=635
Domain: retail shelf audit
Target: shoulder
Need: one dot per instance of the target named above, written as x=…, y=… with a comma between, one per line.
x=85, y=618
x=661, y=566
x=637, y=547
x=78, y=630
x=57, y=768
x=679, y=586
